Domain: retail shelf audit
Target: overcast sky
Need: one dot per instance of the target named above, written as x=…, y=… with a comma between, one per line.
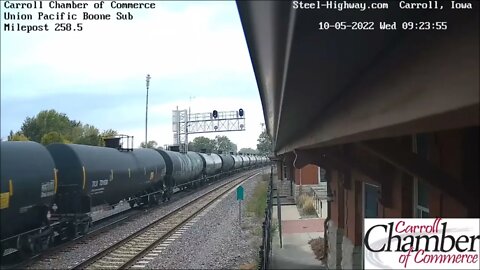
x=195, y=53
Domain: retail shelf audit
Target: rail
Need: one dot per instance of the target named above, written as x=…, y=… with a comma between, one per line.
x=128, y=251
x=266, y=247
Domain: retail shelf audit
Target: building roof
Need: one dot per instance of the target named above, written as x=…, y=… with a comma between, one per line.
x=327, y=87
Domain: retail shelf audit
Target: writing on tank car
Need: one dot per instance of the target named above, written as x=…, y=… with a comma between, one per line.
x=27, y=188
x=89, y=176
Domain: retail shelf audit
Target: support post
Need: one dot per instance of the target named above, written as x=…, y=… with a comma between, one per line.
x=146, y=109
x=240, y=212
x=279, y=215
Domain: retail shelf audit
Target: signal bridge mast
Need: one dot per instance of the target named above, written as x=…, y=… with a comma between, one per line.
x=185, y=123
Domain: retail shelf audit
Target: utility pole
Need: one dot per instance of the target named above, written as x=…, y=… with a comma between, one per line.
x=146, y=110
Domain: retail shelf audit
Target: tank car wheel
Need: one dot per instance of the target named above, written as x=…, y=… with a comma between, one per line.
x=47, y=242
x=131, y=203
x=72, y=231
x=153, y=199
x=25, y=245
x=84, y=227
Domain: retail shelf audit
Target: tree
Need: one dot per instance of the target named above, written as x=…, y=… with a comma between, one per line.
x=248, y=151
x=200, y=143
x=90, y=136
x=150, y=144
x=17, y=136
x=46, y=121
x=223, y=143
x=109, y=133
x=53, y=137
x=265, y=145
x=40, y=127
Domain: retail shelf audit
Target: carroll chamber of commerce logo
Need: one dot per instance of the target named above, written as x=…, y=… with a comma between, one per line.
x=422, y=243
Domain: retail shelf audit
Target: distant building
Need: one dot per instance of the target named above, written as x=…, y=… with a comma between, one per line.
x=309, y=175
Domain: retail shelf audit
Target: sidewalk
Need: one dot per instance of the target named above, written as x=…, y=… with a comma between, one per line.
x=295, y=253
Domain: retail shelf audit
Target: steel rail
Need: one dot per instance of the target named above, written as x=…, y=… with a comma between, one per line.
x=126, y=252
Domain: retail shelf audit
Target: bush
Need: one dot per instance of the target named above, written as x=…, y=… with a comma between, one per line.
x=318, y=248
x=308, y=206
x=301, y=200
x=258, y=202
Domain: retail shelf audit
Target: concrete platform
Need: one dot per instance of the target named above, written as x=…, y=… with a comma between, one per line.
x=295, y=252
x=289, y=212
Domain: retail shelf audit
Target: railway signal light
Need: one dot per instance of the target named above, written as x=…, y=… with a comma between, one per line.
x=215, y=114
x=240, y=112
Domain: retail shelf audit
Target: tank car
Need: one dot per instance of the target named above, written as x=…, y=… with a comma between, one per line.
x=238, y=162
x=212, y=163
x=197, y=167
x=28, y=185
x=228, y=163
x=254, y=160
x=152, y=170
x=245, y=161
x=90, y=176
x=181, y=169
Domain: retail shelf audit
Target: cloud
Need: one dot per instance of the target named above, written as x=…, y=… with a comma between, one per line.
x=193, y=42
x=97, y=76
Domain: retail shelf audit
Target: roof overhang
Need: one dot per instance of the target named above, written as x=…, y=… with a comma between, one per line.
x=327, y=87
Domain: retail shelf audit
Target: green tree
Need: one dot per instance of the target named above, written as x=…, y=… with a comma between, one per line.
x=51, y=126
x=46, y=121
x=150, y=144
x=248, y=151
x=53, y=137
x=17, y=136
x=223, y=143
x=109, y=133
x=265, y=145
x=200, y=143
x=90, y=136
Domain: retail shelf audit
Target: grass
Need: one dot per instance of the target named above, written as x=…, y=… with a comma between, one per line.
x=306, y=203
x=309, y=207
x=258, y=202
x=301, y=200
x=255, y=207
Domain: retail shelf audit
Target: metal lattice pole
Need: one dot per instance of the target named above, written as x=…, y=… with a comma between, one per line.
x=146, y=110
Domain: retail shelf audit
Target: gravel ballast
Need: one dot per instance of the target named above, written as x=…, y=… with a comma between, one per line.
x=216, y=240
x=71, y=256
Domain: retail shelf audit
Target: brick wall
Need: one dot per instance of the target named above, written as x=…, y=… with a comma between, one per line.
x=307, y=175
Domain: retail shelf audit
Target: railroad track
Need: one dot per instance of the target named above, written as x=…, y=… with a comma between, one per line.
x=72, y=244
x=128, y=251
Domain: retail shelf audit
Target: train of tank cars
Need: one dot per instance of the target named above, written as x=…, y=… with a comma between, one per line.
x=48, y=193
